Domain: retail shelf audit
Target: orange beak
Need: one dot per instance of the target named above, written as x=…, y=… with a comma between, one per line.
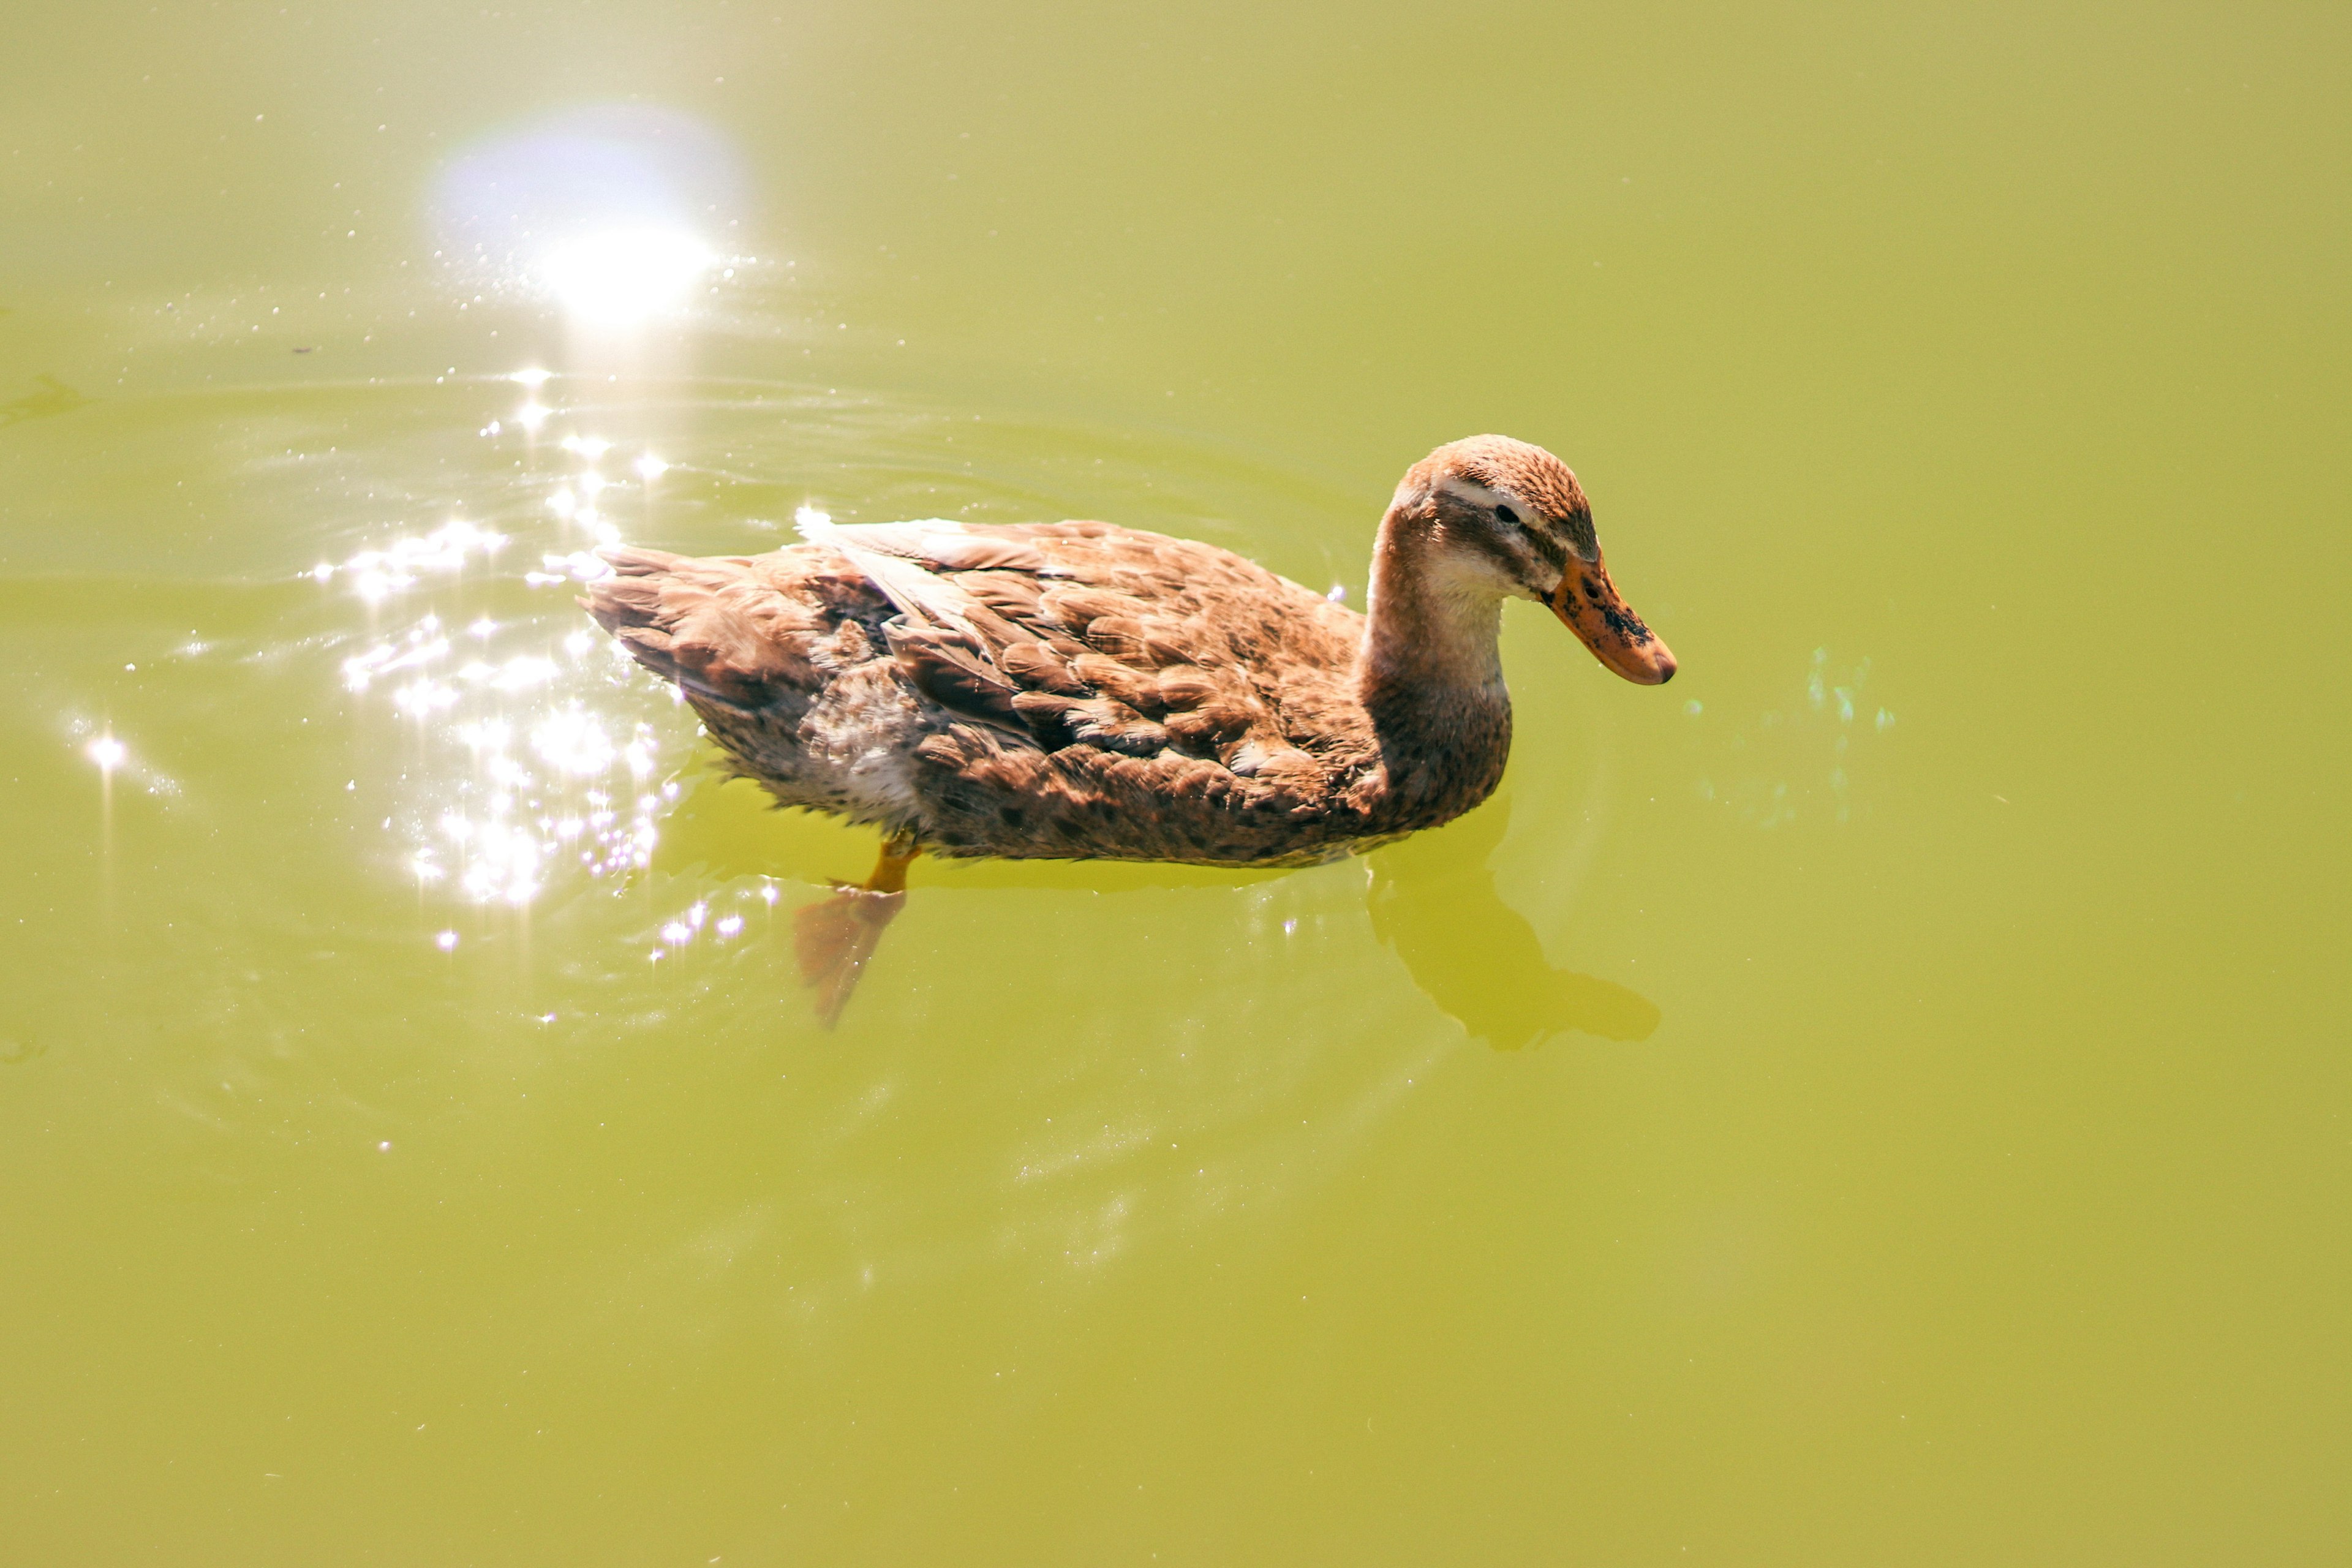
x=1588, y=605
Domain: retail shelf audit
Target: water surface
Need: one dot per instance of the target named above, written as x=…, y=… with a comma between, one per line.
x=1881, y=1098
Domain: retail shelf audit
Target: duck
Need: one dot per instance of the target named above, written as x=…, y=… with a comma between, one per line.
x=1077, y=690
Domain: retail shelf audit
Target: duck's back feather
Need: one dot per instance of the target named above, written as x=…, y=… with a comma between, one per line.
x=1058, y=690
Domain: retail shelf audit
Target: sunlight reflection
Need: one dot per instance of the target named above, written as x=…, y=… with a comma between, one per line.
x=620, y=278
x=114, y=759
x=540, y=753
x=696, y=922
x=611, y=208
x=378, y=572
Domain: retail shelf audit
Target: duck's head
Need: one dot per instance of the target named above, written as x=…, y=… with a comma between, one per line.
x=1511, y=518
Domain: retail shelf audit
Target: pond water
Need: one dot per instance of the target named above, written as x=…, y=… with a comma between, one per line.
x=1880, y=1100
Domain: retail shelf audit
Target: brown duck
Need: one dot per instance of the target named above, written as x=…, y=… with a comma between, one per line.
x=1073, y=691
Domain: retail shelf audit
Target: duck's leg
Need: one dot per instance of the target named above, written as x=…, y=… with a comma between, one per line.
x=835, y=936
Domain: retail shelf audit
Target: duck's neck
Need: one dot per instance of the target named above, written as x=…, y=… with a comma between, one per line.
x=1431, y=676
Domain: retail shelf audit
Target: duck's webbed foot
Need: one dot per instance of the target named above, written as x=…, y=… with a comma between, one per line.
x=834, y=937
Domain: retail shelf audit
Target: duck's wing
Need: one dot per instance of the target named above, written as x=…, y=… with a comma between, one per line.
x=1082, y=634
x=941, y=544
x=749, y=630
x=1078, y=663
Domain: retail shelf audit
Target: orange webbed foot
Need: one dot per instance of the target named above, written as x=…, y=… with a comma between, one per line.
x=835, y=936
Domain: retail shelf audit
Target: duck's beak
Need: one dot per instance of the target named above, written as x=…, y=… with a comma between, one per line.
x=1587, y=603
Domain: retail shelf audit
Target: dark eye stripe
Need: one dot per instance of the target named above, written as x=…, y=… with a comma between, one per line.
x=1548, y=547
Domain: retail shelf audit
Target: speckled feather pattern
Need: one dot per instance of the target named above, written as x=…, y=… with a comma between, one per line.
x=1110, y=694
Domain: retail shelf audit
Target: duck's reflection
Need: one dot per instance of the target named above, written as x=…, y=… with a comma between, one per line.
x=1433, y=900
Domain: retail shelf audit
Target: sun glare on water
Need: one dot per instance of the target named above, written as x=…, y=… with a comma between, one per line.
x=536, y=758
x=620, y=278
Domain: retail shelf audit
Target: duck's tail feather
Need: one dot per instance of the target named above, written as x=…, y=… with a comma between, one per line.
x=713, y=625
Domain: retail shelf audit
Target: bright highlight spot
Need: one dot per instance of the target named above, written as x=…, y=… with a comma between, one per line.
x=380, y=572
x=620, y=277
x=106, y=752
x=541, y=759
x=650, y=467
x=574, y=742
x=447, y=942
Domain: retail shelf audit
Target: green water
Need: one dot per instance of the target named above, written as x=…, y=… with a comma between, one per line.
x=1881, y=1100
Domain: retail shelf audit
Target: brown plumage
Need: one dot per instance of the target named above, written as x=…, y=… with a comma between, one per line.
x=1077, y=690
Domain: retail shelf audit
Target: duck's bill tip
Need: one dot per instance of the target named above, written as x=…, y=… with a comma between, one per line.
x=1588, y=605
x=1647, y=664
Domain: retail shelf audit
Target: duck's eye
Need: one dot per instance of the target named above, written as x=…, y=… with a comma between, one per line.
x=1507, y=514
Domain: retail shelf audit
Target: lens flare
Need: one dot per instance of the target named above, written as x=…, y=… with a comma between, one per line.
x=620, y=278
